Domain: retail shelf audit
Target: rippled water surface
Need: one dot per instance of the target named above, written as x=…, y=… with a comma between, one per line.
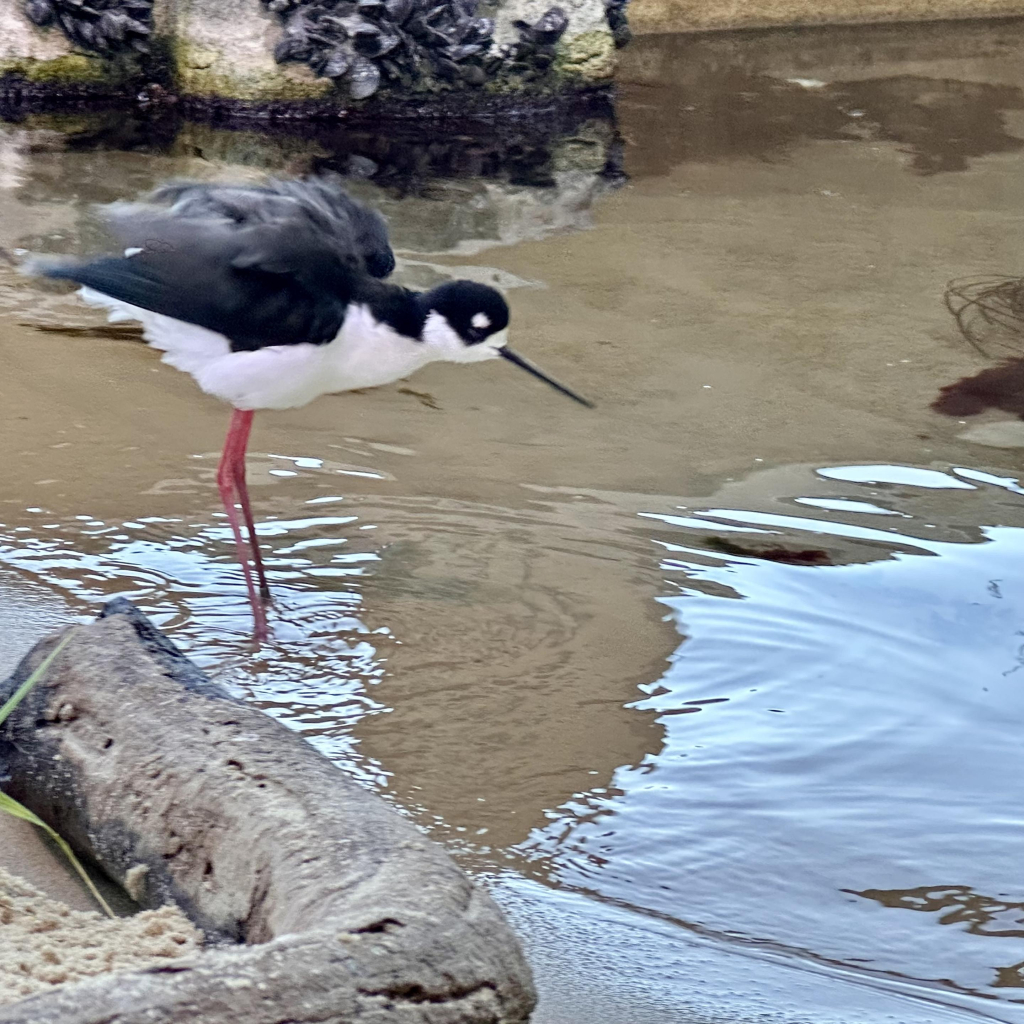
x=721, y=686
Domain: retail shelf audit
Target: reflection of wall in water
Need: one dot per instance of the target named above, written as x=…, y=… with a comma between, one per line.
x=461, y=194
x=708, y=100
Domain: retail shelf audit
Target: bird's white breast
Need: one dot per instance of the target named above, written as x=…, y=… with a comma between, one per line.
x=365, y=353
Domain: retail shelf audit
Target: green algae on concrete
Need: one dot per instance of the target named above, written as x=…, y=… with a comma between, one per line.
x=202, y=71
x=223, y=49
x=589, y=57
x=69, y=69
x=45, y=60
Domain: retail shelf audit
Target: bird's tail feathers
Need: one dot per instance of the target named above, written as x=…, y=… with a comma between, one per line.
x=59, y=267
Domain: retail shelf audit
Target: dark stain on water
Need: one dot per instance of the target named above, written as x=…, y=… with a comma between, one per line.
x=942, y=124
x=998, y=387
x=770, y=552
x=687, y=92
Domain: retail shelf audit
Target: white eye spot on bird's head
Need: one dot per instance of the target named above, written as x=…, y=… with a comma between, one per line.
x=475, y=312
x=446, y=343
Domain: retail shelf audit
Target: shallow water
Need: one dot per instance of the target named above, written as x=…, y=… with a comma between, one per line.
x=718, y=686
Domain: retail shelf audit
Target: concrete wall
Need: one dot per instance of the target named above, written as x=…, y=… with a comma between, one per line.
x=701, y=15
x=224, y=50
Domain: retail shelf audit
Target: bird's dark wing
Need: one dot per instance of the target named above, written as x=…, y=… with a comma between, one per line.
x=318, y=206
x=325, y=200
x=274, y=264
x=251, y=307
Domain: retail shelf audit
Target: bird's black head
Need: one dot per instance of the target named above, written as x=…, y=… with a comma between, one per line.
x=466, y=322
x=474, y=312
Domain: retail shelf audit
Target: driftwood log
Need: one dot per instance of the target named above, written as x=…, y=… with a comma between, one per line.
x=323, y=903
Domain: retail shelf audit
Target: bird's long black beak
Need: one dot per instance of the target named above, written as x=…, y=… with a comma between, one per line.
x=536, y=371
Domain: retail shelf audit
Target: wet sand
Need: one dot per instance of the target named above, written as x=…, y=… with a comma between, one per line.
x=25, y=853
x=24, y=618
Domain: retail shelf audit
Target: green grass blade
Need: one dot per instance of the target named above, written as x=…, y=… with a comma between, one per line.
x=12, y=807
x=22, y=691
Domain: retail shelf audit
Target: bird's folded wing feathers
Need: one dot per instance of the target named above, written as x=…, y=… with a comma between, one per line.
x=251, y=308
x=262, y=265
x=283, y=245
x=318, y=207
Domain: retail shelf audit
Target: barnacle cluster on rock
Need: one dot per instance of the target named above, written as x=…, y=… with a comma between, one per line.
x=102, y=25
x=370, y=43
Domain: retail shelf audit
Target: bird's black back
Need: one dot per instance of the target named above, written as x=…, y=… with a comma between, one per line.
x=262, y=266
x=319, y=204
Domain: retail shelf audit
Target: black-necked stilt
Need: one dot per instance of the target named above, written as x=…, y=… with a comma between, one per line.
x=265, y=296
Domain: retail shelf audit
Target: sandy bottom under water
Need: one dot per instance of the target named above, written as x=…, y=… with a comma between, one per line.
x=717, y=687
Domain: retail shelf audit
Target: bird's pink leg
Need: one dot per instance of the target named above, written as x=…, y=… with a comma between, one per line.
x=227, y=476
x=238, y=472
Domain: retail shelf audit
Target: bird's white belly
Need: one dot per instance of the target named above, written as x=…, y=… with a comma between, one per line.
x=364, y=354
x=367, y=353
